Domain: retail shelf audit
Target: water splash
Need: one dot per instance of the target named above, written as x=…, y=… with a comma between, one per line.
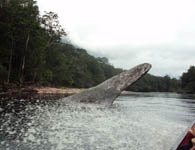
x=126, y=125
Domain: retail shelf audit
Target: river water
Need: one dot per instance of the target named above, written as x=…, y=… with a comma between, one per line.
x=138, y=121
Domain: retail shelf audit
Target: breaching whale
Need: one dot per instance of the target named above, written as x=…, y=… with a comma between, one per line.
x=109, y=90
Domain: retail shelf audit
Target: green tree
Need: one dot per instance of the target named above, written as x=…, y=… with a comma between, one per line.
x=188, y=80
x=31, y=50
x=151, y=83
x=19, y=21
x=53, y=29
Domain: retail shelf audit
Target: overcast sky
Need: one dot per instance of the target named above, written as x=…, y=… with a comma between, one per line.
x=130, y=32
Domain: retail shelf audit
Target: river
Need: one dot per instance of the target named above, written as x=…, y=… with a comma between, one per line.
x=138, y=121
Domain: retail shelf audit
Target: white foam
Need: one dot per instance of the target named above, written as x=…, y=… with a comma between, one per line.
x=84, y=126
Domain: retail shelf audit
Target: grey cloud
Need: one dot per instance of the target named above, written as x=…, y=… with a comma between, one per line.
x=130, y=36
x=166, y=60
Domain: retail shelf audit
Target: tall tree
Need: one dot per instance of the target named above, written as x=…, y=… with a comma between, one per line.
x=18, y=21
x=188, y=80
x=54, y=30
x=29, y=23
x=31, y=50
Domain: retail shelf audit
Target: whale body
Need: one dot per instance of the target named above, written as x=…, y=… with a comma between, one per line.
x=106, y=92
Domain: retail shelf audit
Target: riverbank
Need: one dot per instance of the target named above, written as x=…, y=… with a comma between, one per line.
x=29, y=92
x=16, y=99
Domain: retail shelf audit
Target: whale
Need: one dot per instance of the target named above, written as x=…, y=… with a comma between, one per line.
x=106, y=92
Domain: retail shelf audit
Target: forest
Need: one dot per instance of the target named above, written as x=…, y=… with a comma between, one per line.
x=32, y=52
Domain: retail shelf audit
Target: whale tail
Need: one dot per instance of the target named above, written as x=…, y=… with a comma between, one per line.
x=109, y=90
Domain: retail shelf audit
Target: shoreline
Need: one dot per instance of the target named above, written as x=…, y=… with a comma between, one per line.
x=16, y=99
x=32, y=92
x=42, y=92
x=45, y=92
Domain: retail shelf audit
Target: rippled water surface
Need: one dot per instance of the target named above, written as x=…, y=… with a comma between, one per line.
x=139, y=121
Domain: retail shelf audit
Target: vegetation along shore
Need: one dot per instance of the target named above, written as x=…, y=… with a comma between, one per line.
x=35, y=50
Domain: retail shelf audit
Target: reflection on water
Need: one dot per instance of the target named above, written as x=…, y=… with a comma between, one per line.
x=138, y=121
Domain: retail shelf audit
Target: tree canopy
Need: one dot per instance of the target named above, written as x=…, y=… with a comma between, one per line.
x=32, y=51
x=188, y=80
x=151, y=83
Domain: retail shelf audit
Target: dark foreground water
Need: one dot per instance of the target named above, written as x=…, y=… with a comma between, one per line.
x=137, y=122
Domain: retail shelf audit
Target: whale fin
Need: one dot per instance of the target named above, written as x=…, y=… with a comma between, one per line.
x=109, y=90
